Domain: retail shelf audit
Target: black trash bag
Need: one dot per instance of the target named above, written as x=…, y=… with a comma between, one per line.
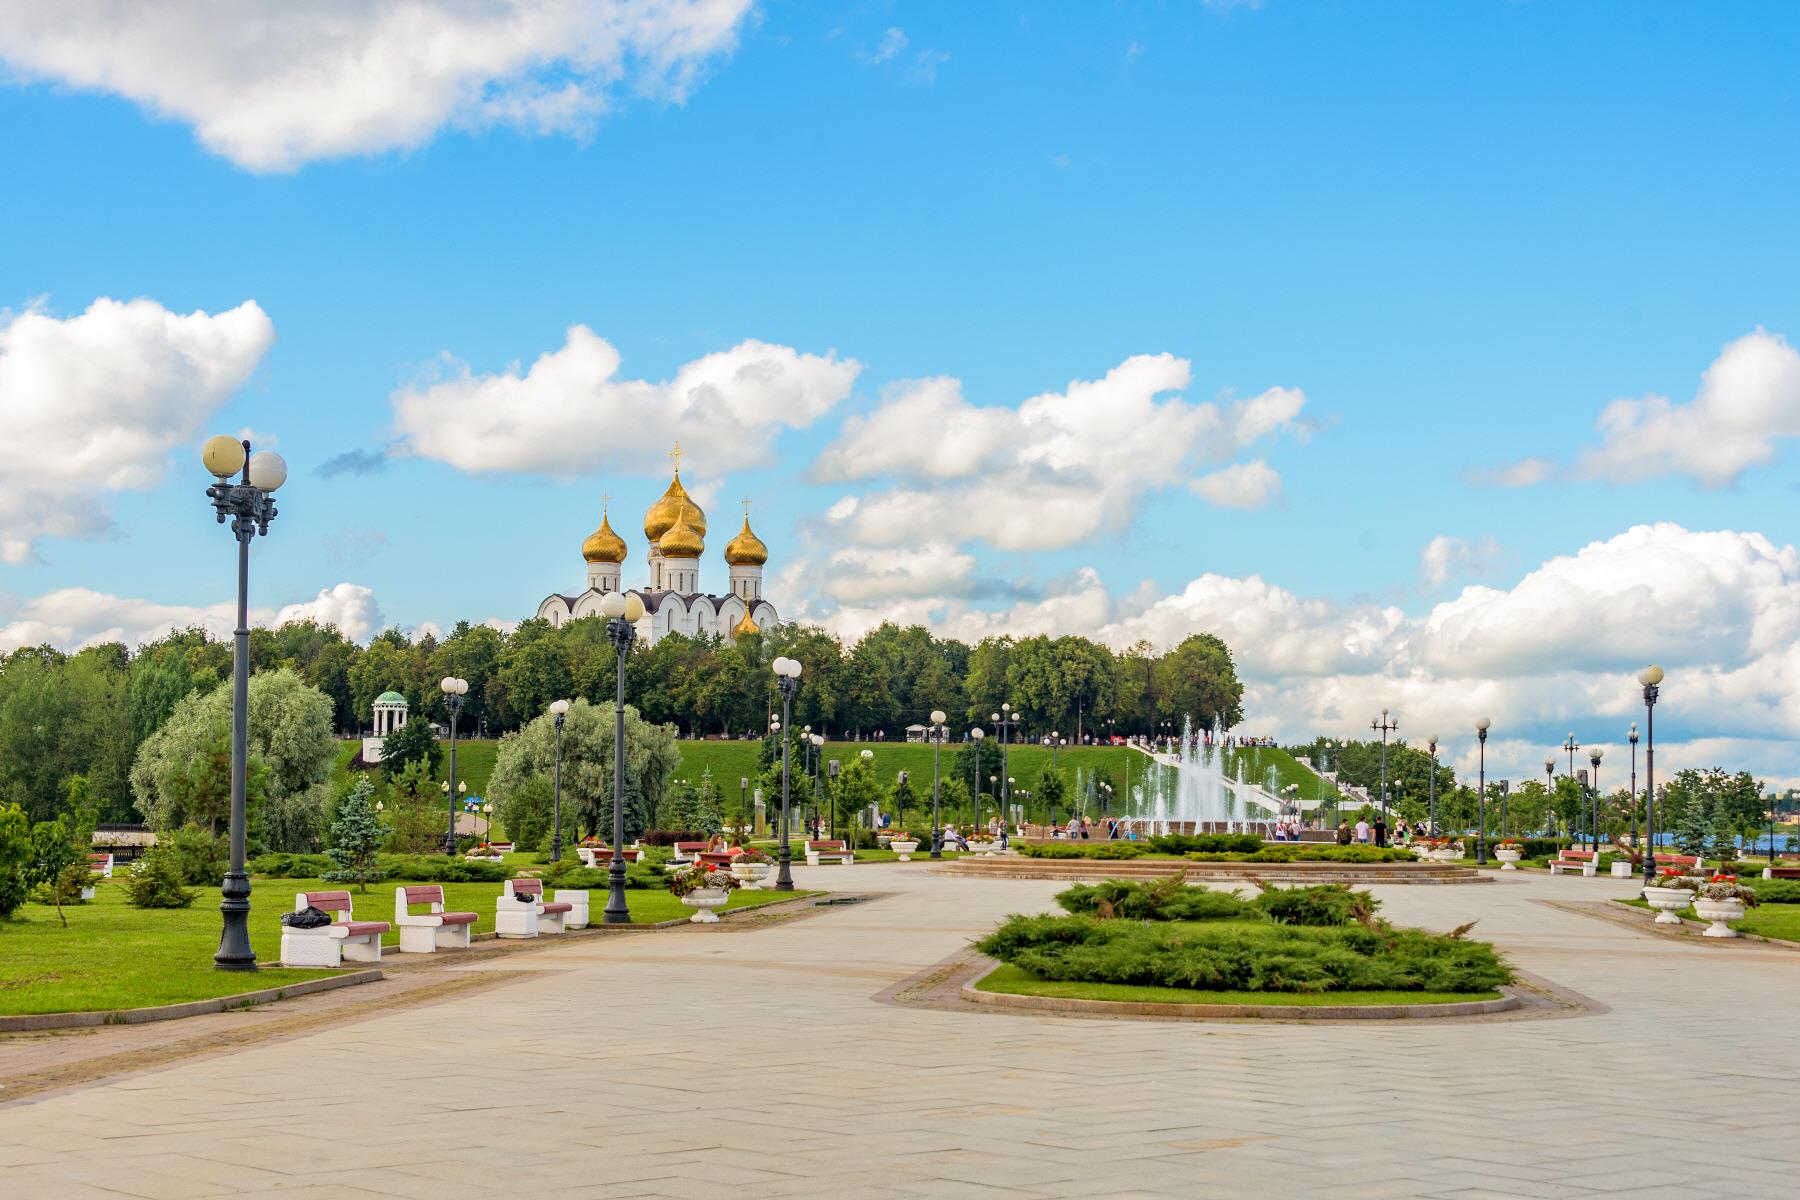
x=525, y=898
x=306, y=918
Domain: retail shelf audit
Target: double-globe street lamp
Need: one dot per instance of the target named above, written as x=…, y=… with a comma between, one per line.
x=1384, y=727
x=787, y=679
x=1431, y=745
x=975, y=736
x=1594, y=801
x=1007, y=719
x=622, y=611
x=1632, y=737
x=1481, y=732
x=249, y=503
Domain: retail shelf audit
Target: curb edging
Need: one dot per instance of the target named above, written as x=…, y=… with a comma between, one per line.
x=31, y=1022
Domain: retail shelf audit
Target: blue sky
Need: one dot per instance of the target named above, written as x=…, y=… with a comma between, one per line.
x=1459, y=231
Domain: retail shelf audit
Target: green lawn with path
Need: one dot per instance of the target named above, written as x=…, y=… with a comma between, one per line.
x=113, y=956
x=1019, y=982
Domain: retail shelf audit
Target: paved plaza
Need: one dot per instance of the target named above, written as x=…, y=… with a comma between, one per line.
x=758, y=1062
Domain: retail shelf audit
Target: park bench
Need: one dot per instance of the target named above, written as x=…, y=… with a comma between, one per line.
x=828, y=850
x=1782, y=873
x=329, y=945
x=719, y=860
x=684, y=852
x=431, y=931
x=600, y=856
x=526, y=918
x=101, y=864
x=1689, y=864
x=1569, y=860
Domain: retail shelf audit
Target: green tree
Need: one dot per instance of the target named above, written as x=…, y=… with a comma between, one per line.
x=412, y=742
x=357, y=836
x=903, y=798
x=15, y=858
x=857, y=789
x=1198, y=679
x=651, y=756
x=1051, y=794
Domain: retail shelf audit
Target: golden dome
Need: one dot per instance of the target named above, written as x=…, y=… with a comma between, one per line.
x=745, y=626
x=682, y=539
x=746, y=549
x=603, y=545
x=663, y=513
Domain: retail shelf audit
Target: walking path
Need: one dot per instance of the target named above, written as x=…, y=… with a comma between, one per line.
x=756, y=1061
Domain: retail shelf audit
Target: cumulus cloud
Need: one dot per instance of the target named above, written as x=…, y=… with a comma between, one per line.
x=1055, y=471
x=1747, y=405
x=70, y=618
x=272, y=86
x=96, y=402
x=857, y=574
x=1445, y=558
x=570, y=413
x=1248, y=485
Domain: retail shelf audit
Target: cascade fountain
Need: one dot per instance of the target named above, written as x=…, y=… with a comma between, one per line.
x=1186, y=790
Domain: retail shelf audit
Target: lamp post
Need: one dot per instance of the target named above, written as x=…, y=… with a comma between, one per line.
x=994, y=786
x=559, y=709
x=1384, y=727
x=1571, y=745
x=902, y=784
x=1632, y=738
x=1431, y=745
x=868, y=756
x=1007, y=719
x=454, y=690
x=1053, y=749
x=622, y=611
x=937, y=749
x=1594, y=803
x=818, y=751
x=1481, y=732
x=1505, y=809
x=787, y=678
x=977, y=734
x=831, y=769
x=1650, y=677
x=250, y=505
x=745, y=825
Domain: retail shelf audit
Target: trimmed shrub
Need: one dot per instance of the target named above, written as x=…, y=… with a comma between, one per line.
x=154, y=881
x=639, y=876
x=1206, y=843
x=668, y=837
x=197, y=856
x=1162, y=900
x=1322, y=905
x=1052, y=851
x=426, y=868
x=290, y=866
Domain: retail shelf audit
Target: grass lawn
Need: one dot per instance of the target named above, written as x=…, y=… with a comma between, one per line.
x=1766, y=920
x=474, y=761
x=1019, y=982
x=114, y=956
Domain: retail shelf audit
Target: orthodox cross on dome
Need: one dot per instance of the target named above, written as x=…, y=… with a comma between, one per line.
x=746, y=504
x=676, y=455
x=604, y=497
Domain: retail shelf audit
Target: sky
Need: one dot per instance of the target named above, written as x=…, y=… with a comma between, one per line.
x=1438, y=357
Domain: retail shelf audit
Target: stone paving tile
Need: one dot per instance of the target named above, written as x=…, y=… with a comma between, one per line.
x=757, y=1060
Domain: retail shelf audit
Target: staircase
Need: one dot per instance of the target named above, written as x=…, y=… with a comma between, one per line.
x=1360, y=874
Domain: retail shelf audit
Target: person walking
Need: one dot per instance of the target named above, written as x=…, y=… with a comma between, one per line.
x=1362, y=832
x=1381, y=830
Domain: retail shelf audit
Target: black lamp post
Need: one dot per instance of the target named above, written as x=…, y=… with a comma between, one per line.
x=1481, y=732
x=1007, y=719
x=818, y=745
x=249, y=503
x=744, y=822
x=1384, y=727
x=1571, y=746
x=454, y=690
x=937, y=749
x=622, y=611
x=1650, y=677
x=1505, y=809
x=832, y=770
x=975, y=736
x=901, y=782
x=787, y=678
x=1594, y=803
x=1431, y=745
x=1632, y=738
x=559, y=709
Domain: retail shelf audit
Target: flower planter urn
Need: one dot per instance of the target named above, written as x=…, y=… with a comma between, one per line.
x=986, y=849
x=704, y=900
x=1667, y=902
x=904, y=847
x=1509, y=857
x=752, y=874
x=1719, y=912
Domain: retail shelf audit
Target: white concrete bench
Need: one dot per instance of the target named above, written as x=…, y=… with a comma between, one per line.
x=686, y=852
x=526, y=918
x=828, y=850
x=600, y=856
x=1570, y=860
x=433, y=930
x=101, y=864
x=329, y=945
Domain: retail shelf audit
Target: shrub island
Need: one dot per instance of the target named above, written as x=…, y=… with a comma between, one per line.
x=1217, y=847
x=1167, y=941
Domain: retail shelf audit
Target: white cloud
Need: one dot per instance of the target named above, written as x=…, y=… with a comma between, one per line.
x=272, y=86
x=1056, y=471
x=893, y=41
x=1749, y=398
x=70, y=618
x=1747, y=405
x=98, y=401
x=1445, y=558
x=855, y=574
x=570, y=414
x=1248, y=485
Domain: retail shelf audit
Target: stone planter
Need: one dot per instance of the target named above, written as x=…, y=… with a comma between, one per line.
x=904, y=847
x=484, y=858
x=1509, y=857
x=752, y=874
x=987, y=849
x=1719, y=912
x=704, y=901
x=1667, y=902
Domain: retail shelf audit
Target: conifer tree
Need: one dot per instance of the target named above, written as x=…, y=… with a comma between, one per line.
x=356, y=838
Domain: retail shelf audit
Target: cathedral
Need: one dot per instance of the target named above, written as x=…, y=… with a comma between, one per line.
x=673, y=602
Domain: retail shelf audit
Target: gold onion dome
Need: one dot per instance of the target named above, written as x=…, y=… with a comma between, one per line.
x=682, y=539
x=745, y=626
x=662, y=515
x=746, y=550
x=603, y=545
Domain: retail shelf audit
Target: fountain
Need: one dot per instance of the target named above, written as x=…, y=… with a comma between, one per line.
x=1186, y=790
